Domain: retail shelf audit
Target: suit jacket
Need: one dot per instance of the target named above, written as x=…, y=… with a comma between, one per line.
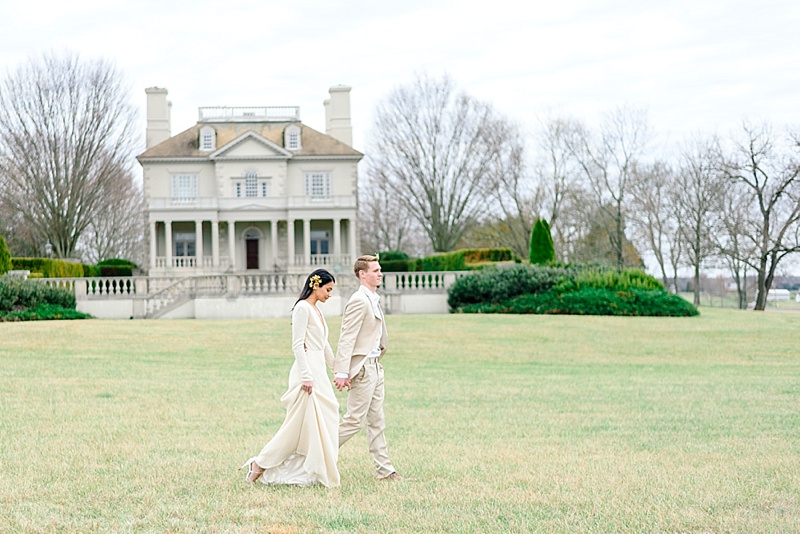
x=360, y=329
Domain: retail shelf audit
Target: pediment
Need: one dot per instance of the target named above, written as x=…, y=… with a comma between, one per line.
x=251, y=145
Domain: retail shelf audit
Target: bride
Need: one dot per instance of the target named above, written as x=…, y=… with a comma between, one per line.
x=305, y=448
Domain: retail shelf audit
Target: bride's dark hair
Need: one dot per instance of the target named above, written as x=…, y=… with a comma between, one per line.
x=320, y=277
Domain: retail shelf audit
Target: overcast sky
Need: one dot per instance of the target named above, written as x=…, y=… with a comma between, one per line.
x=696, y=66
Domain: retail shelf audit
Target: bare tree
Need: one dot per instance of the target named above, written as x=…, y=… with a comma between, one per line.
x=65, y=132
x=734, y=247
x=608, y=160
x=770, y=169
x=516, y=197
x=698, y=187
x=117, y=228
x=440, y=151
x=656, y=218
x=386, y=223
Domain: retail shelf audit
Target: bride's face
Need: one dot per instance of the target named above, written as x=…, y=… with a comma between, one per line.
x=323, y=293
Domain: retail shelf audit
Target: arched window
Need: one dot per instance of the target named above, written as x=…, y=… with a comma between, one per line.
x=291, y=138
x=208, y=139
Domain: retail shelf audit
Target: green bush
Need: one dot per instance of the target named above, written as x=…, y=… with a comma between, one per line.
x=616, y=280
x=398, y=266
x=592, y=301
x=392, y=255
x=90, y=271
x=44, y=312
x=498, y=284
x=542, y=251
x=5, y=257
x=116, y=267
x=48, y=267
x=16, y=293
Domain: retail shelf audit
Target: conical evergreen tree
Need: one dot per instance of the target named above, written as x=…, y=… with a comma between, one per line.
x=5, y=257
x=542, y=251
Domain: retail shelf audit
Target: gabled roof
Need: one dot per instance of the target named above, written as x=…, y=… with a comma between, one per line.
x=185, y=144
x=250, y=134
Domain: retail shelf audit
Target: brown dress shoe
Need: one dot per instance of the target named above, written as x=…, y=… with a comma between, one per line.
x=393, y=476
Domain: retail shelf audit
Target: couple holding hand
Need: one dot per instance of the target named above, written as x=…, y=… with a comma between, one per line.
x=305, y=448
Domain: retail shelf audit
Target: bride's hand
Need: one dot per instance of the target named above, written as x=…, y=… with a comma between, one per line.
x=307, y=386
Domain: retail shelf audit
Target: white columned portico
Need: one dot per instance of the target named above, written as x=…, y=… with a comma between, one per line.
x=198, y=247
x=232, y=244
x=290, y=239
x=153, y=245
x=168, y=241
x=337, y=241
x=215, y=244
x=307, y=241
x=273, y=237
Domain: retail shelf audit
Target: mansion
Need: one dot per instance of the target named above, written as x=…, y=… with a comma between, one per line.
x=250, y=189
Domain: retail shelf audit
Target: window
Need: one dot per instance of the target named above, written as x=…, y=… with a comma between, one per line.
x=208, y=139
x=184, y=244
x=184, y=188
x=250, y=186
x=291, y=138
x=318, y=184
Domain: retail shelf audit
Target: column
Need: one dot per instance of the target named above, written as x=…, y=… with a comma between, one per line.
x=153, y=245
x=351, y=240
x=198, y=244
x=290, y=238
x=168, y=241
x=232, y=243
x=307, y=241
x=336, y=249
x=215, y=243
x=273, y=236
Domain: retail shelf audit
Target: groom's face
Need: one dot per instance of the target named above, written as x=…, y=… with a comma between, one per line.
x=372, y=276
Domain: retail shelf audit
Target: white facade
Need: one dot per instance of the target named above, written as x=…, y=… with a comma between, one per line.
x=250, y=190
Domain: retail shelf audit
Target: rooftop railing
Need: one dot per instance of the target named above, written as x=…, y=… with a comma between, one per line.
x=248, y=114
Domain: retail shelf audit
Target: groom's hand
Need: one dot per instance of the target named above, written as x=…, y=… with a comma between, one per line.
x=341, y=383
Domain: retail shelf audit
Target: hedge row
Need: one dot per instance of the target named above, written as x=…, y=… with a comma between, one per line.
x=592, y=301
x=50, y=268
x=459, y=260
x=44, y=312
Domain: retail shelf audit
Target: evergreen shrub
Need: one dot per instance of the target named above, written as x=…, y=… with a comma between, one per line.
x=5, y=257
x=16, y=294
x=592, y=301
x=48, y=267
x=497, y=284
x=116, y=267
x=44, y=312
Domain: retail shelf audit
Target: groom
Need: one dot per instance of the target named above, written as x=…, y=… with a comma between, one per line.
x=362, y=343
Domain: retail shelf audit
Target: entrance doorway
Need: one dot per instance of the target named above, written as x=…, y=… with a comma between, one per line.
x=251, y=249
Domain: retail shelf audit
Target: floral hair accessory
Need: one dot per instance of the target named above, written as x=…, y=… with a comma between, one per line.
x=315, y=281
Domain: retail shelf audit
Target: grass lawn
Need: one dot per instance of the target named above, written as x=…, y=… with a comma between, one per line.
x=499, y=423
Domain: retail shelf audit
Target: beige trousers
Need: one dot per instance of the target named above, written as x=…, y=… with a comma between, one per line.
x=365, y=409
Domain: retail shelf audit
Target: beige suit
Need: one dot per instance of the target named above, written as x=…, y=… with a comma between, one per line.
x=363, y=330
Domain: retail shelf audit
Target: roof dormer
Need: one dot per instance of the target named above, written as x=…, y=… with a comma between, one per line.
x=208, y=139
x=292, y=138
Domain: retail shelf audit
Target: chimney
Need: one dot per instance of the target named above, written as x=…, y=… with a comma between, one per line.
x=158, y=112
x=337, y=114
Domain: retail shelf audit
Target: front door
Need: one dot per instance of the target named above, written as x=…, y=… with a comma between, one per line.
x=252, y=253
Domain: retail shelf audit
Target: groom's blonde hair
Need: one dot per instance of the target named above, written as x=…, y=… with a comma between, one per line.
x=362, y=264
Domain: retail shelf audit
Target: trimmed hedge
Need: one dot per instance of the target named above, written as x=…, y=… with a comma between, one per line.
x=48, y=267
x=44, y=312
x=116, y=267
x=17, y=294
x=592, y=301
x=467, y=259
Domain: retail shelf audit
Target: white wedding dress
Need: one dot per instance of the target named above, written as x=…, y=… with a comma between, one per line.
x=305, y=448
